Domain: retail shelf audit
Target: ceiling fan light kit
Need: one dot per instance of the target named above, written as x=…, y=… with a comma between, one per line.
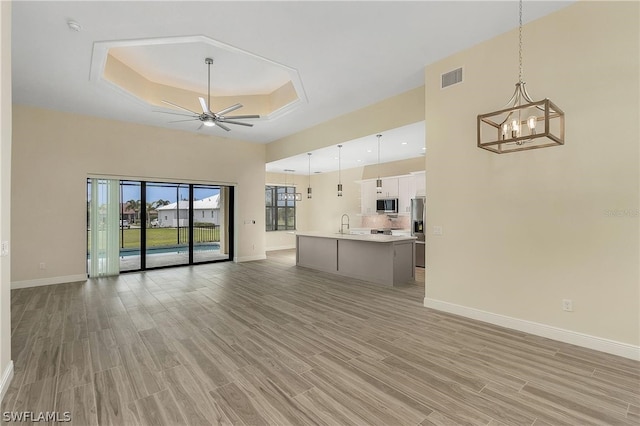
x=209, y=118
x=523, y=124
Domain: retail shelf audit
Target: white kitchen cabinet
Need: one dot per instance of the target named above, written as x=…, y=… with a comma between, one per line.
x=403, y=188
x=389, y=188
x=406, y=191
x=368, y=197
x=421, y=184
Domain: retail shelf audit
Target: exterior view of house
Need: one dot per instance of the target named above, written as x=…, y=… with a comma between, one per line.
x=176, y=214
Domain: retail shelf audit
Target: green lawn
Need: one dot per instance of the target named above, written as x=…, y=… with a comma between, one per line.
x=158, y=237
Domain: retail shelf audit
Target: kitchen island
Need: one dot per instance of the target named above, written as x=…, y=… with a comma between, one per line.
x=382, y=259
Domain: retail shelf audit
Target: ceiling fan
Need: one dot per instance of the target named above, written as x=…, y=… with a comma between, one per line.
x=207, y=117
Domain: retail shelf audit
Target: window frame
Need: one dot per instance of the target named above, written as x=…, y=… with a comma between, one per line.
x=280, y=210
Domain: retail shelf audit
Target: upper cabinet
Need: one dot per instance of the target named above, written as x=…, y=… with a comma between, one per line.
x=389, y=188
x=404, y=188
x=368, y=197
x=406, y=191
x=421, y=183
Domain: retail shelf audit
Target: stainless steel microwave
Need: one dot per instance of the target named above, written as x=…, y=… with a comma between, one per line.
x=387, y=205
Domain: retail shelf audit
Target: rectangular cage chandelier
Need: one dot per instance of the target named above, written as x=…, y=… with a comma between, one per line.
x=522, y=124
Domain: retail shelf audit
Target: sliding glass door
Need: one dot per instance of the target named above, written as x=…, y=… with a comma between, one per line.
x=209, y=223
x=130, y=226
x=167, y=235
x=162, y=224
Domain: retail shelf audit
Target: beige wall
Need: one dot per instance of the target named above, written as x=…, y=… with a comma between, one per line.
x=325, y=209
x=54, y=154
x=397, y=111
x=394, y=168
x=535, y=227
x=5, y=192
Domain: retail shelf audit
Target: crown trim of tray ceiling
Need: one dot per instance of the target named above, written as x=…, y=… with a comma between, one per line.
x=130, y=67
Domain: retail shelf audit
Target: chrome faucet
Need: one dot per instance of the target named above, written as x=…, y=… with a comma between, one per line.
x=342, y=224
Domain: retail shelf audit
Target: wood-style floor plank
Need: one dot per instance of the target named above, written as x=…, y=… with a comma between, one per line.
x=196, y=405
x=269, y=343
x=80, y=403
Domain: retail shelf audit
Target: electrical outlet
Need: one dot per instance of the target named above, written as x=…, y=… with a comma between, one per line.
x=4, y=251
x=43, y=265
x=437, y=230
x=567, y=305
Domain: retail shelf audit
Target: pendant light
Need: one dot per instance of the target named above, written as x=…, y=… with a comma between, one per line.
x=379, y=181
x=522, y=124
x=339, y=171
x=284, y=196
x=289, y=196
x=309, y=187
x=296, y=196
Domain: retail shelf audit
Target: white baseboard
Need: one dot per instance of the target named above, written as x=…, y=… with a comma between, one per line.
x=567, y=336
x=48, y=281
x=262, y=256
x=285, y=247
x=5, y=380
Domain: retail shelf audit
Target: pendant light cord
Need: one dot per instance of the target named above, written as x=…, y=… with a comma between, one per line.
x=339, y=163
x=520, y=44
x=379, y=156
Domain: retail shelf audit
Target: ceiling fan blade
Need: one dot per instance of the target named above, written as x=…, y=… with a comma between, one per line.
x=183, y=108
x=203, y=104
x=222, y=126
x=200, y=126
x=176, y=113
x=241, y=117
x=231, y=108
x=237, y=122
x=180, y=121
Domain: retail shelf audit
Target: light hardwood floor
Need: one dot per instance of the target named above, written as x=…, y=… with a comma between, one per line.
x=268, y=343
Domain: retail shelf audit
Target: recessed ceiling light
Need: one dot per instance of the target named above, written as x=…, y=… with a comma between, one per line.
x=359, y=161
x=74, y=26
x=404, y=143
x=423, y=148
x=368, y=150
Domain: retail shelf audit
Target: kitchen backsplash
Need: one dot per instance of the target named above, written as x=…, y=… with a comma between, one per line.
x=385, y=221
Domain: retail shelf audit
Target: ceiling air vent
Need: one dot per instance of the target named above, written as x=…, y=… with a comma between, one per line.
x=452, y=77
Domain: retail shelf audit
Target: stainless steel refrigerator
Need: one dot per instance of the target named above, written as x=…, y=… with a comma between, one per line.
x=418, y=218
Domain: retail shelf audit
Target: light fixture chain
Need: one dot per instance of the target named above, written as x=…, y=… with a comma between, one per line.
x=520, y=44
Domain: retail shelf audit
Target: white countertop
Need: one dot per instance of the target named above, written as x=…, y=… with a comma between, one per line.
x=374, y=238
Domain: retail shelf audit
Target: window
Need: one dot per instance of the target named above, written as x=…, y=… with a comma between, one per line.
x=280, y=212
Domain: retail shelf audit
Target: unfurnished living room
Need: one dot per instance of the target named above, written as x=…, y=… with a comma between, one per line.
x=349, y=212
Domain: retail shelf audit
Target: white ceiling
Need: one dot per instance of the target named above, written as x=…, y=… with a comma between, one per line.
x=349, y=54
